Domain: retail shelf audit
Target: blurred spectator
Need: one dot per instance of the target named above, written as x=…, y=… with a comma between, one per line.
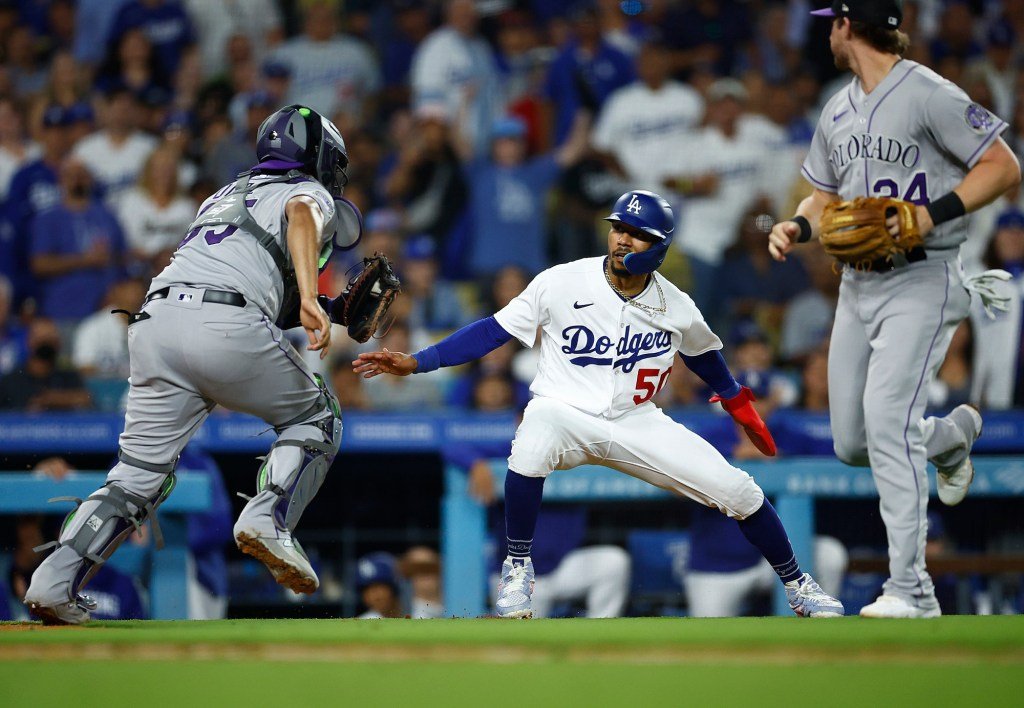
x=348, y=386
x=956, y=35
x=178, y=131
x=277, y=80
x=101, y=340
x=807, y=319
x=403, y=393
x=331, y=72
x=772, y=52
x=814, y=381
x=13, y=336
x=164, y=22
x=422, y=567
x=999, y=65
x=585, y=73
x=65, y=87
x=27, y=72
x=131, y=62
x=751, y=356
x=117, y=595
x=644, y=125
x=522, y=64
x=235, y=153
x=216, y=23
x=952, y=384
x=509, y=195
x=436, y=305
x=77, y=248
x=504, y=287
x=40, y=384
x=998, y=347
x=750, y=284
x=33, y=189
x=93, y=20
x=209, y=534
x=409, y=27
x=490, y=383
x=377, y=582
x=709, y=35
x=726, y=171
x=16, y=149
x=427, y=181
x=115, y=155
x=726, y=572
x=455, y=67
x=155, y=214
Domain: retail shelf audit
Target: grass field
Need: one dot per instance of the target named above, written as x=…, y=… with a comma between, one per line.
x=626, y=662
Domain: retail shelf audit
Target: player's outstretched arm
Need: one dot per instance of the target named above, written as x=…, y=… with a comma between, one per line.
x=802, y=227
x=469, y=343
x=371, y=364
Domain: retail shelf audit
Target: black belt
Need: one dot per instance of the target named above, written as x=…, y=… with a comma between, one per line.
x=222, y=297
x=884, y=265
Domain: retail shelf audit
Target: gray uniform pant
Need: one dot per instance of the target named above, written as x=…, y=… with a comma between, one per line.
x=890, y=336
x=190, y=356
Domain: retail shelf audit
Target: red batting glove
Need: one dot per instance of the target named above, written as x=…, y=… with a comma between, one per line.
x=742, y=411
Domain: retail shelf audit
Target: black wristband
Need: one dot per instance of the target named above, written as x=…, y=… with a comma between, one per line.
x=946, y=208
x=805, y=228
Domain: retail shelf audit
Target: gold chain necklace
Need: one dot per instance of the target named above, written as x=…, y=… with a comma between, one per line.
x=635, y=303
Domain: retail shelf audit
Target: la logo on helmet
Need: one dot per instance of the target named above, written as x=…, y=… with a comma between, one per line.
x=634, y=204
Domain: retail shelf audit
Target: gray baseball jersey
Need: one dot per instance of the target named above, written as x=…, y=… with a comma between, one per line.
x=221, y=259
x=914, y=137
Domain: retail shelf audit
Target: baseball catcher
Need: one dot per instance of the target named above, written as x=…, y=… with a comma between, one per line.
x=867, y=231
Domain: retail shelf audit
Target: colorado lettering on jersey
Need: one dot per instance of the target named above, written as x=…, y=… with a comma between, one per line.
x=631, y=348
x=875, y=147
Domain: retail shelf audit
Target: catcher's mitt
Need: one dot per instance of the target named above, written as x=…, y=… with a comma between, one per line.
x=368, y=296
x=854, y=232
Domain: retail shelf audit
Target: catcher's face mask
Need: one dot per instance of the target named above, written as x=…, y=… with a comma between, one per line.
x=348, y=230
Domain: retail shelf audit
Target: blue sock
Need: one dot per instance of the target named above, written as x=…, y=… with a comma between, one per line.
x=522, y=505
x=764, y=529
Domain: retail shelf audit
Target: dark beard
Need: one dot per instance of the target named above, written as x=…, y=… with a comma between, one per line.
x=621, y=272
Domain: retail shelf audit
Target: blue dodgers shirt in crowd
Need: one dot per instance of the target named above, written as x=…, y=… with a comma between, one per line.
x=508, y=214
x=62, y=231
x=603, y=73
x=33, y=189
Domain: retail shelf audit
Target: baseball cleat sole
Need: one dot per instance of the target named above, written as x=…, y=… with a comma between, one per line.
x=518, y=614
x=49, y=617
x=284, y=573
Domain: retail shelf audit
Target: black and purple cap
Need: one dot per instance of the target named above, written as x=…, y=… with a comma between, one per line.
x=887, y=14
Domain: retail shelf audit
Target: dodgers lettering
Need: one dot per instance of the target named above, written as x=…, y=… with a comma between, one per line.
x=631, y=348
x=875, y=147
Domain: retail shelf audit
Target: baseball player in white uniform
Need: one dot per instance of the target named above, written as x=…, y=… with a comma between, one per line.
x=900, y=130
x=610, y=331
x=209, y=333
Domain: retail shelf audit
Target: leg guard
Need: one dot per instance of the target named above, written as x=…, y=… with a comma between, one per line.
x=95, y=528
x=297, y=464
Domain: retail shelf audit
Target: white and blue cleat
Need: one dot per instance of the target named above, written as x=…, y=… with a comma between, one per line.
x=515, y=589
x=807, y=599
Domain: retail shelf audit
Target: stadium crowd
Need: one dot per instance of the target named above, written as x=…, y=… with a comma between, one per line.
x=487, y=140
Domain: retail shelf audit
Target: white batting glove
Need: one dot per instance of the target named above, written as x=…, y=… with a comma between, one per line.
x=985, y=285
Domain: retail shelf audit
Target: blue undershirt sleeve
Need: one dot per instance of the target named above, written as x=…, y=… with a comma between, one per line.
x=469, y=343
x=712, y=369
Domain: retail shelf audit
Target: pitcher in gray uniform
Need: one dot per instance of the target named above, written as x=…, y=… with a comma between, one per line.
x=899, y=130
x=209, y=333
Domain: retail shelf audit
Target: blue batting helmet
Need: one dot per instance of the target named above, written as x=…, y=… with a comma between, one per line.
x=296, y=137
x=651, y=214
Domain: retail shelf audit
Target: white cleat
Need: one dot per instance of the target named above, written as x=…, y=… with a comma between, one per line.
x=516, y=589
x=258, y=536
x=892, y=607
x=954, y=481
x=807, y=599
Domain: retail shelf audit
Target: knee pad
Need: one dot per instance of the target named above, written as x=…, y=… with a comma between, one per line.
x=298, y=462
x=97, y=526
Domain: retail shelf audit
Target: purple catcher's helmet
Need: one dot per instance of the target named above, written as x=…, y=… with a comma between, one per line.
x=651, y=214
x=297, y=137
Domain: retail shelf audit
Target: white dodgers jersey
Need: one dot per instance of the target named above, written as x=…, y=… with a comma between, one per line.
x=599, y=353
x=225, y=258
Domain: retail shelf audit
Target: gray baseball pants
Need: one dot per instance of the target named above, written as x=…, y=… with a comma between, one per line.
x=890, y=336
